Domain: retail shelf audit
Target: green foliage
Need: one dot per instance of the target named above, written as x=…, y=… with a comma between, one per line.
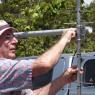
x=28, y=15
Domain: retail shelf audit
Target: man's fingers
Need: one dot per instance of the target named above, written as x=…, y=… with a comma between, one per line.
x=75, y=69
x=74, y=66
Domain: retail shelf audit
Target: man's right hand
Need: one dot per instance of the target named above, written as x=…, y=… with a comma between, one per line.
x=69, y=34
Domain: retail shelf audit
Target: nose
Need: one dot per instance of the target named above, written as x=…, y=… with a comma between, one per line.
x=14, y=40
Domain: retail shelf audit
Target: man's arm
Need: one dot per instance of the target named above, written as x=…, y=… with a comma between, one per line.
x=47, y=60
x=53, y=87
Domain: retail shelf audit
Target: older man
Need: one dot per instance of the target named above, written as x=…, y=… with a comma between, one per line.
x=16, y=75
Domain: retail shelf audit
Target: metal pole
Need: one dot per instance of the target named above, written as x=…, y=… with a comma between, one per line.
x=53, y=32
x=78, y=47
x=27, y=34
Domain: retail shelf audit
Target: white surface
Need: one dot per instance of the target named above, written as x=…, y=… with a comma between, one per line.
x=88, y=1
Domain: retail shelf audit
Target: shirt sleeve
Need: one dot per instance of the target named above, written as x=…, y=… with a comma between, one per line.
x=15, y=75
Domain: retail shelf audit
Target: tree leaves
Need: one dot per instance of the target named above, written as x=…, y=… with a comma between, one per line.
x=28, y=15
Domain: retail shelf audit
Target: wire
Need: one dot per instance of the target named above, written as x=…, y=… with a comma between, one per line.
x=69, y=85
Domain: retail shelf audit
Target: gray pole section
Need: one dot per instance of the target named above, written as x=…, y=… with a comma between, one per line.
x=53, y=32
x=78, y=47
x=40, y=33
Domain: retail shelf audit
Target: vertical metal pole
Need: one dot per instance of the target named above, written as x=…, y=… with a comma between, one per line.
x=78, y=47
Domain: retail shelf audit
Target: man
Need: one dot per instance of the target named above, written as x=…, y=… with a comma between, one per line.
x=16, y=75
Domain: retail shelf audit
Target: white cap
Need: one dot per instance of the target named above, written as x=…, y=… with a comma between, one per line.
x=5, y=26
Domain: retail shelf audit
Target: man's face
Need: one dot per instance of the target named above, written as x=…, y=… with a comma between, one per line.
x=8, y=44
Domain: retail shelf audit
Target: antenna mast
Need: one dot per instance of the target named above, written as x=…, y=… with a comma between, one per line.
x=78, y=2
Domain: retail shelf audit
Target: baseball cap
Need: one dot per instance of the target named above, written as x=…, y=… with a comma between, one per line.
x=5, y=26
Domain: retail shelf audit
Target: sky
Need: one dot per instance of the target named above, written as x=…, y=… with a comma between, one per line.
x=88, y=1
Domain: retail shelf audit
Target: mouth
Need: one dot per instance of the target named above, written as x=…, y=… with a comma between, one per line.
x=13, y=50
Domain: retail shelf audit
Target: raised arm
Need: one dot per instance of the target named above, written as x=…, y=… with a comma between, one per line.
x=47, y=60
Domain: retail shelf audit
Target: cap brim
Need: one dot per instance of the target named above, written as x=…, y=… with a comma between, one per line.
x=9, y=28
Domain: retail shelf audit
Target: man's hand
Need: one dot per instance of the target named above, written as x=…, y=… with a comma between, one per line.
x=70, y=74
x=69, y=34
x=54, y=86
